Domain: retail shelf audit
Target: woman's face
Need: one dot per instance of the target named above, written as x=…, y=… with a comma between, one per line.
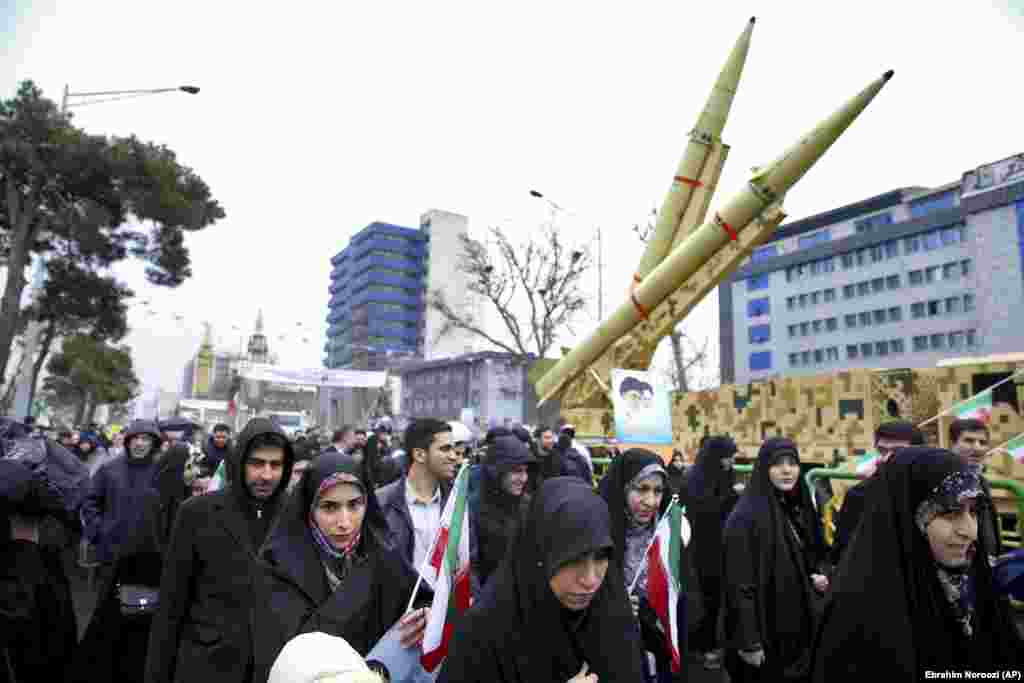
x=514, y=481
x=644, y=498
x=953, y=533
x=339, y=514
x=785, y=473
x=576, y=583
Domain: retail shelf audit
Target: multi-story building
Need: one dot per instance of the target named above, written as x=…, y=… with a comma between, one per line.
x=899, y=280
x=486, y=388
x=377, y=313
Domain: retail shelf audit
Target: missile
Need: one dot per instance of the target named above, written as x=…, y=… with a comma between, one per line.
x=708, y=130
x=765, y=188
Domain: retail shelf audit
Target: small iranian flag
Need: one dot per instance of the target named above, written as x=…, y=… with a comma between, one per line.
x=867, y=463
x=978, y=407
x=217, y=480
x=1016, y=448
x=449, y=571
x=665, y=576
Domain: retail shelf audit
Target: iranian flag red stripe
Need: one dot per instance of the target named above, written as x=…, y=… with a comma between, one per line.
x=665, y=576
x=450, y=565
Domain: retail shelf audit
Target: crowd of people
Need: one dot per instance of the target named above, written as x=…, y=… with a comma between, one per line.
x=307, y=553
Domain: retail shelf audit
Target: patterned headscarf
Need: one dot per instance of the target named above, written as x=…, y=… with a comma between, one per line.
x=322, y=542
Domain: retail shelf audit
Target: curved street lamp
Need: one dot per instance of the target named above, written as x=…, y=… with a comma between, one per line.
x=112, y=95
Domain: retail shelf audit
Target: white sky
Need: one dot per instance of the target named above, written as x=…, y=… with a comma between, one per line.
x=318, y=118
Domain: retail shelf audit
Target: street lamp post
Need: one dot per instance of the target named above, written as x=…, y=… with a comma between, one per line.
x=600, y=253
x=113, y=95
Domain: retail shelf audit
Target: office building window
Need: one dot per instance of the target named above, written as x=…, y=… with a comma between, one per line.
x=882, y=348
x=819, y=356
x=757, y=282
x=956, y=340
x=866, y=350
x=938, y=341
x=892, y=249
x=916, y=277
x=830, y=295
x=968, y=303
x=805, y=357
x=760, y=334
x=895, y=314
x=805, y=329
x=921, y=343
x=851, y=320
x=879, y=316
x=816, y=326
x=965, y=266
x=921, y=207
x=758, y=307
x=808, y=241
x=865, y=319
x=792, y=331
x=931, y=274
x=934, y=308
x=790, y=303
x=851, y=351
x=871, y=223
x=831, y=324
x=849, y=291
x=847, y=260
x=896, y=346
x=877, y=254
x=761, y=360
x=794, y=360
x=815, y=296
x=878, y=285
x=863, y=288
x=971, y=339
x=764, y=253
x=953, y=305
x=911, y=245
x=892, y=282
x=930, y=241
x=951, y=271
x=832, y=354
x=803, y=301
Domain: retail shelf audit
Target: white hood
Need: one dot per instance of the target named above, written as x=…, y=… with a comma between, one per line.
x=318, y=657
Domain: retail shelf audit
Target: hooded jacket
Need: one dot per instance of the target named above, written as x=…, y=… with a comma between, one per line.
x=371, y=597
x=773, y=543
x=204, y=625
x=117, y=494
x=500, y=515
x=888, y=617
x=519, y=632
x=710, y=499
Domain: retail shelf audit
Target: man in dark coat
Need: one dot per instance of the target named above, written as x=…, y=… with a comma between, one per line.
x=217, y=445
x=203, y=628
x=118, y=489
x=969, y=439
x=889, y=437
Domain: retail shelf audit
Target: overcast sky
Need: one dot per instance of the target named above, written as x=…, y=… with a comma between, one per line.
x=316, y=119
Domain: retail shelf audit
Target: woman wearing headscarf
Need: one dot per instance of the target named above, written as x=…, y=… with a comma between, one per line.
x=914, y=593
x=38, y=633
x=677, y=474
x=711, y=495
x=504, y=502
x=773, y=571
x=116, y=641
x=556, y=610
x=636, y=490
x=329, y=568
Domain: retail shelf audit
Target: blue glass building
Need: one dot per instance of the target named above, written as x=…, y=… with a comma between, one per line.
x=377, y=298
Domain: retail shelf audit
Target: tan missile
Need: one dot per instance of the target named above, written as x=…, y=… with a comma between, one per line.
x=764, y=189
x=696, y=156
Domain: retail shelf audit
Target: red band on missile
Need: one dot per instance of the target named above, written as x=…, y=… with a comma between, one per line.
x=644, y=314
x=688, y=181
x=725, y=226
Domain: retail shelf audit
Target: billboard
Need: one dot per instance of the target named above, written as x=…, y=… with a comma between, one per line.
x=316, y=377
x=643, y=414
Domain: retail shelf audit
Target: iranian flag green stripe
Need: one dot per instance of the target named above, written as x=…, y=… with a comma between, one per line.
x=978, y=407
x=450, y=567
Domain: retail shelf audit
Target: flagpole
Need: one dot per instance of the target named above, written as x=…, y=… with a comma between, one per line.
x=968, y=400
x=433, y=545
x=651, y=542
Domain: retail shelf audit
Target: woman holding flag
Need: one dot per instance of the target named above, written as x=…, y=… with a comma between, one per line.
x=329, y=567
x=637, y=493
x=773, y=571
x=556, y=610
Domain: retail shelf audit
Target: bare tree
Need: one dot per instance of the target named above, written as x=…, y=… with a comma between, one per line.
x=688, y=355
x=533, y=286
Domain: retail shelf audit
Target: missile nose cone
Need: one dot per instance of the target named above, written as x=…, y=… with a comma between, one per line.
x=888, y=74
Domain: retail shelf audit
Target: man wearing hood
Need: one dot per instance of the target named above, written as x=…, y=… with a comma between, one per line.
x=202, y=629
x=218, y=444
x=118, y=490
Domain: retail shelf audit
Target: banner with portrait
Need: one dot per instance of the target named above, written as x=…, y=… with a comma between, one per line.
x=643, y=410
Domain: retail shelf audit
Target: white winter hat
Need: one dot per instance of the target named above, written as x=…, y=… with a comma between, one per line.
x=320, y=658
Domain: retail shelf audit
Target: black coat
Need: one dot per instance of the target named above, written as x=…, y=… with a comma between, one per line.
x=37, y=619
x=887, y=617
x=519, y=633
x=204, y=627
x=499, y=515
x=769, y=597
x=710, y=499
x=849, y=518
x=298, y=599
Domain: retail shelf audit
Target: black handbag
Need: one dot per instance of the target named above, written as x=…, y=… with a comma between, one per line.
x=138, y=600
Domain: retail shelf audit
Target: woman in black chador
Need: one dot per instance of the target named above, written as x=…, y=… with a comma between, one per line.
x=774, y=571
x=557, y=606
x=637, y=494
x=328, y=567
x=116, y=641
x=710, y=497
x=914, y=591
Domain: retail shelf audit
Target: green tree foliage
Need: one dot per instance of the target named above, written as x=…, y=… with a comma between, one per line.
x=87, y=373
x=89, y=199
